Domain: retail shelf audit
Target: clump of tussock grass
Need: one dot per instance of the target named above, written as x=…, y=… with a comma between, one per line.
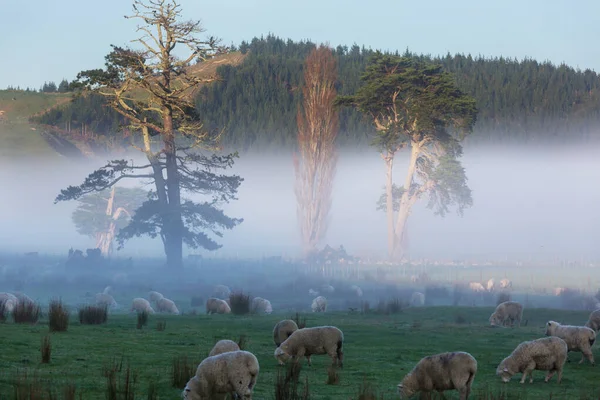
x=3, y=312
x=300, y=322
x=46, y=349
x=367, y=391
x=26, y=312
x=120, y=387
x=394, y=306
x=460, y=319
x=93, y=315
x=287, y=383
x=333, y=377
x=239, y=303
x=242, y=342
x=58, y=316
x=365, y=307
x=142, y=319
x=182, y=370
x=161, y=325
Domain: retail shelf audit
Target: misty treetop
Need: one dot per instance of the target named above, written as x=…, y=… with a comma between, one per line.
x=256, y=102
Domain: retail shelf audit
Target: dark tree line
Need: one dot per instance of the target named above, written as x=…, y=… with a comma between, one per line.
x=256, y=102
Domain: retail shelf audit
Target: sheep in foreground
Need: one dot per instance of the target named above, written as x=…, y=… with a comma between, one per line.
x=594, y=321
x=141, y=305
x=319, y=304
x=105, y=300
x=216, y=376
x=260, y=305
x=167, y=306
x=509, y=311
x=417, y=299
x=282, y=330
x=224, y=346
x=313, y=341
x=578, y=338
x=440, y=372
x=217, y=306
x=544, y=354
x=155, y=296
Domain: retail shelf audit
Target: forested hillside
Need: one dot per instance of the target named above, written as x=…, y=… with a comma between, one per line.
x=256, y=101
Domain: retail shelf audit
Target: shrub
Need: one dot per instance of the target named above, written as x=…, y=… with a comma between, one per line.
x=142, y=319
x=58, y=316
x=239, y=303
x=46, y=349
x=286, y=383
x=93, y=315
x=182, y=370
x=300, y=322
x=161, y=326
x=26, y=312
x=502, y=297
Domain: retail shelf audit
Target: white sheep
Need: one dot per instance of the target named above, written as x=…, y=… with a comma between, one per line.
x=141, y=305
x=9, y=301
x=224, y=346
x=327, y=289
x=216, y=376
x=440, y=372
x=357, y=290
x=221, y=291
x=417, y=299
x=490, y=285
x=312, y=292
x=319, y=304
x=307, y=342
x=476, y=287
x=217, y=306
x=260, y=305
x=594, y=321
x=508, y=311
x=105, y=300
x=107, y=290
x=155, y=296
x=544, y=354
x=283, y=330
x=578, y=338
x=505, y=284
x=167, y=306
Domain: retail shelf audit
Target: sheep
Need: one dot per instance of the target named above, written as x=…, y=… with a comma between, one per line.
x=417, y=299
x=216, y=376
x=505, y=284
x=224, y=346
x=312, y=341
x=261, y=305
x=217, y=306
x=327, y=289
x=221, y=292
x=282, y=330
x=594, y=321
x=105, y=300
x=155, y=296
x=510, y=311
x=440, y=372
x=141, y=305
x=319, y=304
x=167, y=306
x=476, y=287
x=559, y=291
x=490, y=285
x=107, y=290
x=357, y=290
x=578, y=338
x=9, y=301
x=543, y=354
x=312, y=292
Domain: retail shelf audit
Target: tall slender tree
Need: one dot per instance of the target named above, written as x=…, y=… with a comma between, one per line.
x=414, y=105
x=152, y=88
x=316, y=158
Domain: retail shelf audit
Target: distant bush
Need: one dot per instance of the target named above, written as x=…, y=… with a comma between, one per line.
x=395, y=306
x=93, y=315
x=26, y=312
x=239, y=303
x=58, y=316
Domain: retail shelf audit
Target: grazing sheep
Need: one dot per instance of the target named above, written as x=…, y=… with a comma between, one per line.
x=141, y=305
x=282, y=330
x=221, y=292
x=509, y=311
x=217, y=306
x=260, y=305
x=505, y=284
x=216, y=376
x=357, y=290
x=327, y=289
x=224, y=346
x=578, y=338
x=544, y=354
x=312, y=292
x=417, y=299
x=319, y=304
x=594, y=321
x=9, y=301
x=476, y=287
x=167, y=306
x=155, y=296
x=312, y=341
x=105, y=300
x=440, y=372
x=490, y=285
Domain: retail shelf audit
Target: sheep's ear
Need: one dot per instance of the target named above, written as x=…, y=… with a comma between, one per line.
x=400, y=386
x=505, y=369
x=549, y=323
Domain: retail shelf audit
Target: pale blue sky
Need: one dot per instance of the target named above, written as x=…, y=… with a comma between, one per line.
x=44, y=40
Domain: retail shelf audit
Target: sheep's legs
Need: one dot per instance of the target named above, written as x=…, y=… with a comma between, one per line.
x=549, y=375
x=589, y=356
x=529, y=371
x=559, y=376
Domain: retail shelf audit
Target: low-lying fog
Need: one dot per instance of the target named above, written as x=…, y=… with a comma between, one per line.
x=528, y=203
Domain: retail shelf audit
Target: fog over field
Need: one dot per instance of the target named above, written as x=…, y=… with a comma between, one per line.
x=529, y=202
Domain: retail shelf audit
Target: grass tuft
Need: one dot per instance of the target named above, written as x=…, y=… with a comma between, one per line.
x=300, y=322
x=239, y=303
x=142, y=319
x=182, y=370
x=161, y=325
x=26, y=312
x=58, y=316
x=46, y=349
x=93, y=315
x=287, y=383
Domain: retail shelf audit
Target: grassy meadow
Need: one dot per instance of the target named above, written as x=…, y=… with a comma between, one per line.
x=379, y=349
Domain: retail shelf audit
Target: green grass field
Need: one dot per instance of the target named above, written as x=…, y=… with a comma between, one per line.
x=378, y=348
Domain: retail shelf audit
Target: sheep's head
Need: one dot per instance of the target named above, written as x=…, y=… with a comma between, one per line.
x=404, y=391
x=503, y=372
x=268, y=308
x=494, y=320
x=281, y=356
x=190, y=392
x=551, y=327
